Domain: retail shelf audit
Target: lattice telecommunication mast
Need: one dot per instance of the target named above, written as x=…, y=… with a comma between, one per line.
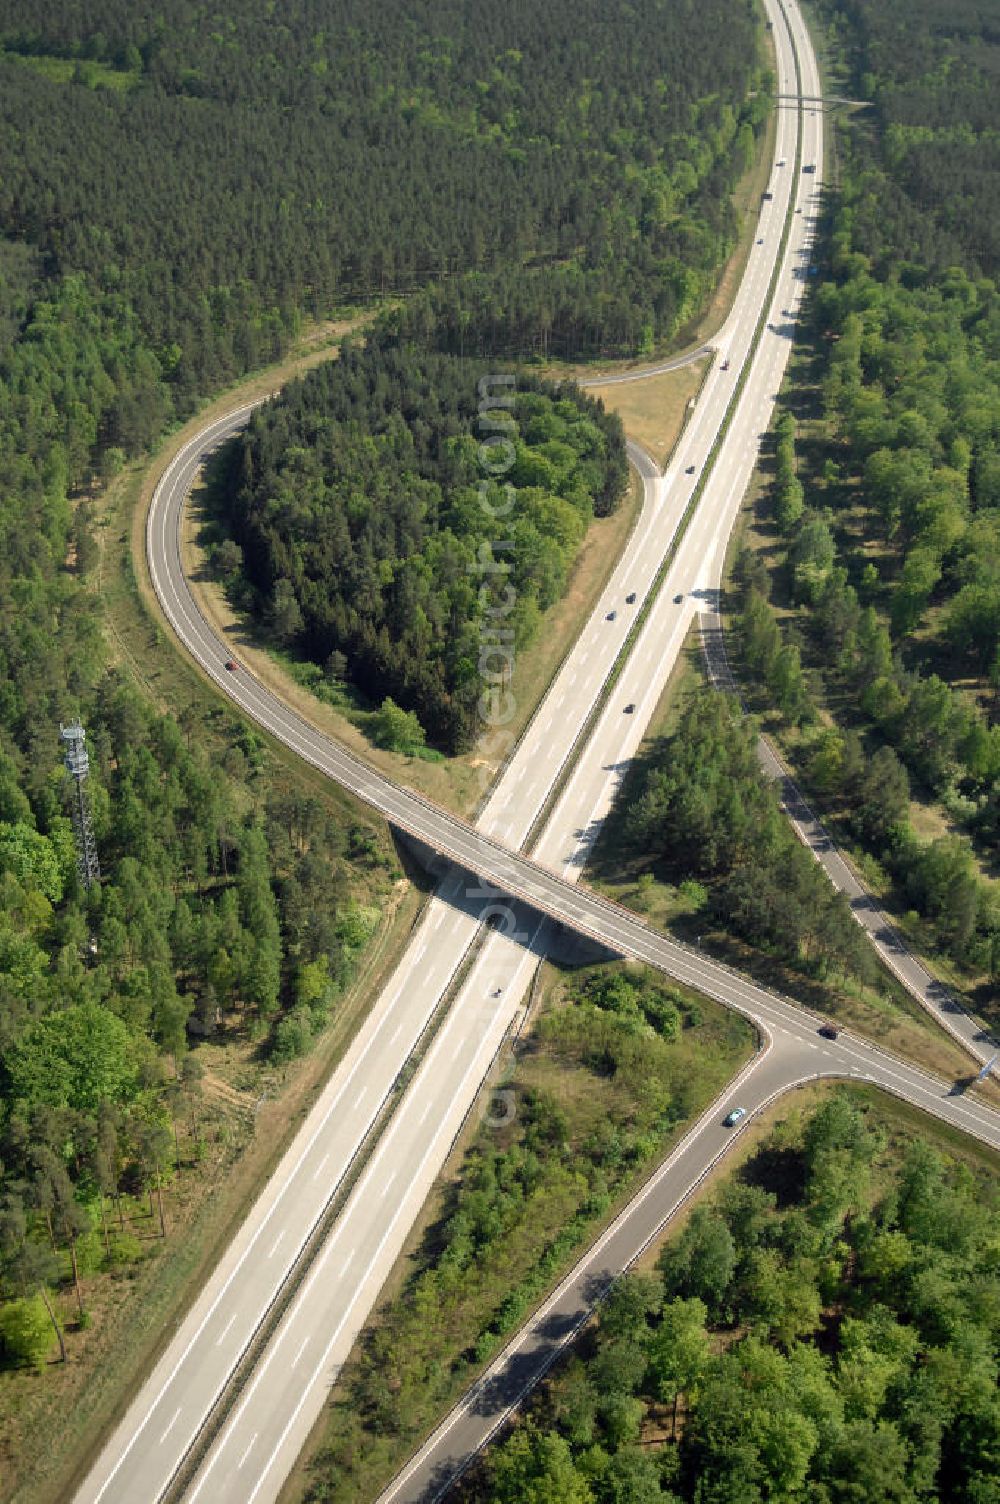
x=78, y=767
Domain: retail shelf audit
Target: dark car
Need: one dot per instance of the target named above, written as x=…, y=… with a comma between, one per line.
x=629, y=708
x=630, y=598
x=678, y=598
x=827, y=1031
x=734, y=1117
x=725, y=365
x=232, y=665
x=611, y=615
x=689, y=470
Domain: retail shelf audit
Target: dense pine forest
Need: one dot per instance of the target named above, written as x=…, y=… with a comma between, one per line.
x=880, y=646
x=361, y=505
x=823, y=1329
x=225, y=172
x=180, y=191
x=701, y=807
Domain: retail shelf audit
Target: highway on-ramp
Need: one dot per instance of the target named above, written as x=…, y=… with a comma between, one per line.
x=253, y=1449
x=794, y=1058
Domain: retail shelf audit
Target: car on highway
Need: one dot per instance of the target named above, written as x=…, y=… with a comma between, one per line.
x=827, y=1031
x=630, y=708
x=611, y=615
x=761, y=241
x=678, y=598
x=690, y=470
x=232, y=665
x=630, y=598
x=732, y=1118
x=725, y=365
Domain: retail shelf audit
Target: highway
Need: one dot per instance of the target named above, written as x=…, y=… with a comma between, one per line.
x=792, y=1059
x=260, y=1438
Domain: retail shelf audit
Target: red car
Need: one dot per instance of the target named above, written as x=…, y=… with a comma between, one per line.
x=232, y=665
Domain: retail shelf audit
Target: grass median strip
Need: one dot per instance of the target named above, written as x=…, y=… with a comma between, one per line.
x=611, y=1069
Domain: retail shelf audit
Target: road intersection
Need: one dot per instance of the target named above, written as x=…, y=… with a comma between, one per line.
x=253, y=1446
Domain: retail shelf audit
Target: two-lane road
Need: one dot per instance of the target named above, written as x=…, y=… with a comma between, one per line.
x=258, y=1441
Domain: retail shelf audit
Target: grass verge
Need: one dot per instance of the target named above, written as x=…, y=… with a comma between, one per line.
x=769, y=1273
x=229, y=1139
x=456, y=783
x=594, y=1093
x=654, y=411
x=885, y=1013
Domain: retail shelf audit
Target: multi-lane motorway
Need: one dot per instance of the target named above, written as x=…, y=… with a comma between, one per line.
x=794, y=1058
x=254, y=1447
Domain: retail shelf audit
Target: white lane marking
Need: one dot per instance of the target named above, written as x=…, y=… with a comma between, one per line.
x=171, y=1426
x=360, y=1097
x=420, y=953
x=319, y=1168
x=396, y=1033
x=274, y=1245
x=297, y=744
x=388, y=1183
x=426, y=1111
x=302, y=1347
x=347, y=1262
x=222, y=1338
x=246, y=1454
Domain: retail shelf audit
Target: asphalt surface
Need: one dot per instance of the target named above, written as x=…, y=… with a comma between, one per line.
x=261, y=1436
x=794, y=1058
x=643, y=373
x=884, y=936
x=797, y=1052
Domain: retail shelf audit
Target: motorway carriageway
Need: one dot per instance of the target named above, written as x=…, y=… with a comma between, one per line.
x=259, y=1440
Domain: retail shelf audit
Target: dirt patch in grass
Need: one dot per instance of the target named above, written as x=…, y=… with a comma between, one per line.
x=654, y=411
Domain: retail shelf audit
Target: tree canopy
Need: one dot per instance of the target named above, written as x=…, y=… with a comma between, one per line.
x=387, y=516
x=843, y=1345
